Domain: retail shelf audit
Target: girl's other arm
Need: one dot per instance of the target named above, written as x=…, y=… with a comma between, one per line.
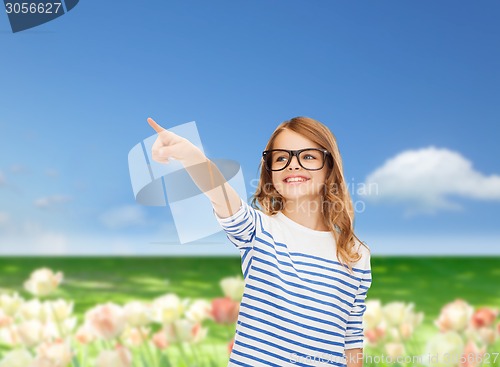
x=354, y=357
x=355, y=330
x=205, y=174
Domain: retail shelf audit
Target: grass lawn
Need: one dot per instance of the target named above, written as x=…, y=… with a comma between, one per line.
x=428, y=282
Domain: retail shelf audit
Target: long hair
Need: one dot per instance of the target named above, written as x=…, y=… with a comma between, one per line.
x=337, y=207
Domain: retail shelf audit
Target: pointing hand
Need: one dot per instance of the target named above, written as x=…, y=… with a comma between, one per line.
x=169, y=145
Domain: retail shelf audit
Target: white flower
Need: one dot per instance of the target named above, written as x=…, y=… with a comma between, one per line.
x=168, y=308
x=30, y=332
x=233, y=287
x=488, y=335
x=10, y=336
x=17, y=358
x=373, y=314
x=395, y=350
x=43, y=282
x=120, y=357
x=199, y=310
x=32, y=310
x=10, y=304
x=446, y=349
x=59, y=329
x=397, y=312
x=41, y=362
x=56, y=354
x=185, y=330
x=138, y=313
x=58, y=310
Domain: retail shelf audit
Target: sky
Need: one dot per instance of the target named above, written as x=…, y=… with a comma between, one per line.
x=410, y=90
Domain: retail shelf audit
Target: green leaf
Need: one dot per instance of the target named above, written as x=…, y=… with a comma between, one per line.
x=164, y=361
x=144, y=362
x=75, y=362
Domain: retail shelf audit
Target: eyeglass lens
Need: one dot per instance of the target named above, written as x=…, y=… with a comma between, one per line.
x=309, y=159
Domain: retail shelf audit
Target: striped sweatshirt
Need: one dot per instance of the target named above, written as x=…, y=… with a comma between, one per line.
x=300, y=305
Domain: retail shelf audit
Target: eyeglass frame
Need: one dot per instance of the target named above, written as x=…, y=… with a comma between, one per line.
x=291, y=154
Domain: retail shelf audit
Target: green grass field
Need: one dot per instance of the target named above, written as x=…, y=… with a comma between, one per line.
x=428, y=282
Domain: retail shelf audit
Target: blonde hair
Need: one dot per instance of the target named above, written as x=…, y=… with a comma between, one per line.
x=334, y=193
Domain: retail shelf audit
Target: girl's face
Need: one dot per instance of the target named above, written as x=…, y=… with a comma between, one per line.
x=310, y=187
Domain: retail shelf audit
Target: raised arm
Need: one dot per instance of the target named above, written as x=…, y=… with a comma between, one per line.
x=205, y=174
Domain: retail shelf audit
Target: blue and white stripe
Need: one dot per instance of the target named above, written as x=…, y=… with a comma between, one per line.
x=298, y=309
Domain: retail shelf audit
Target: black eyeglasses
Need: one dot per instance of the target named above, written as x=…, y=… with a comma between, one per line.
x=311, y=159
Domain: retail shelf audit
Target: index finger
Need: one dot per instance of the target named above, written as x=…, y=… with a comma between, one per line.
x=154, y=125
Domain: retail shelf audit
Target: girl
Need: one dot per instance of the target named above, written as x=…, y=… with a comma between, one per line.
x=306, y=272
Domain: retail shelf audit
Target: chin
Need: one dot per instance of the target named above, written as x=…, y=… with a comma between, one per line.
x=297, y=196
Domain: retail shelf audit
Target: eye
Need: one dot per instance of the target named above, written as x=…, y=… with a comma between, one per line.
x=281, y=158
x=309, y=156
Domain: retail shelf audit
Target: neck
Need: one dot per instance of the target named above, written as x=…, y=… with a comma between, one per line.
x=306, y=212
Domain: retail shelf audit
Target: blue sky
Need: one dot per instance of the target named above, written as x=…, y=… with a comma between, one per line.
x=410, y=90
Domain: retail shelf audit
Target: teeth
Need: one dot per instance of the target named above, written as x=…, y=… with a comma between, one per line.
x=295, y=179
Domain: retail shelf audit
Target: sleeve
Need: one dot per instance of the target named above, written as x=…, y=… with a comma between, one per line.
x=240, y=228
x=355, y=331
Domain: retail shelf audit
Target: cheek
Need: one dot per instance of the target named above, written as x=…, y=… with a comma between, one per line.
x=276, y=180
x=278, y=183
x=319, y=180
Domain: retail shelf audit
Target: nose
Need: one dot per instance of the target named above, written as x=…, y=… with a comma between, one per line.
x=294, y=163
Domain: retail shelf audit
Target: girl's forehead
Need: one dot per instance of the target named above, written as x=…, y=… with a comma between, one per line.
x=292, y=140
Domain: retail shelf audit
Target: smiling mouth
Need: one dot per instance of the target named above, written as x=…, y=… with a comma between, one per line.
x=295, y=180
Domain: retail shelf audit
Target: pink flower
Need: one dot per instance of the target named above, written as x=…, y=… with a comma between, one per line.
x=454, y=316
x=5, y=320
x=483, y=317
x=225, y=310
x=406, y=330
x=84, y=334
x=160, y=340
x=472, y=355
x=136, y=336
x=106, y=321
x=375, y=335
x=230, y=345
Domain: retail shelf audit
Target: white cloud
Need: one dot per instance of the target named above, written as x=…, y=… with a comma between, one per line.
x=31, y=238
x=18, y=168
x=54, y=242
x=439, y=244
x=425, y=179
x=48, y=242
x=52, y=172
x=49, y=202
x=124, y=216
x=7, y=184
